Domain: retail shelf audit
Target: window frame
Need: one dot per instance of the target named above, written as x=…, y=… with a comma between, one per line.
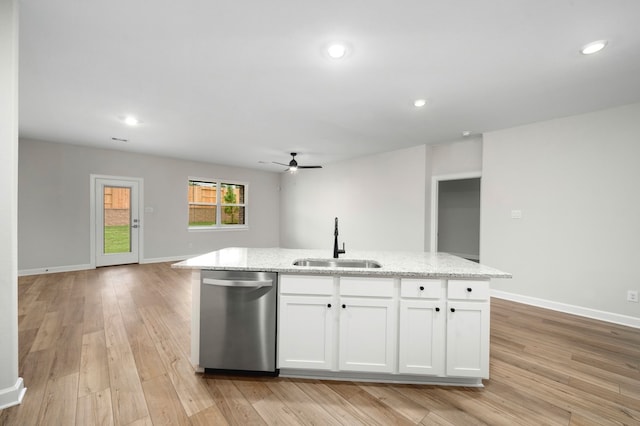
x=220, y=205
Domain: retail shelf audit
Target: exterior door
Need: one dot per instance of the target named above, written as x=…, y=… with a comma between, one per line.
x=117, y=223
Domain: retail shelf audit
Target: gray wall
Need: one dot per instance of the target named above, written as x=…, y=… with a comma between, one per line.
x=379, y=200
x=53, y=227
x=462, y=156
x=576, y=182
x=428, y=172
x=383, y=201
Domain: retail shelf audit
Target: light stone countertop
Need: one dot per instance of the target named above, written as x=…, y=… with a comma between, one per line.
x=394, y=263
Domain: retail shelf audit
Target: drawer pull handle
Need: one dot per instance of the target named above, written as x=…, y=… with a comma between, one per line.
x=437, y=309
x=469, y=289
x=344, y=306
x=328, y=305
x=453, y=309
x=421, y=288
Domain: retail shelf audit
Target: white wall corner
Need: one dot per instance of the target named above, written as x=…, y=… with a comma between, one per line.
x=13, y=395
x=11, y=386
x=569, y=309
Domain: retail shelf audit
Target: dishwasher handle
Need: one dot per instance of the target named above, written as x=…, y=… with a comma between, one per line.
x=238, y=283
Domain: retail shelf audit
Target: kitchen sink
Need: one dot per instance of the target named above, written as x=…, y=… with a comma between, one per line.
x=338, y=263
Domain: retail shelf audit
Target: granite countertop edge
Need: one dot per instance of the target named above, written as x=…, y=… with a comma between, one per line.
x=394, y=263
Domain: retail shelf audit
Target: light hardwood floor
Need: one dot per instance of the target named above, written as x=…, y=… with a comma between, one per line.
x=110, y=346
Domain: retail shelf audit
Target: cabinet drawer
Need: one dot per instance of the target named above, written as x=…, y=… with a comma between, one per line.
x=305, y=284
x=468, y=290
x=368, y=287
x=421, y=289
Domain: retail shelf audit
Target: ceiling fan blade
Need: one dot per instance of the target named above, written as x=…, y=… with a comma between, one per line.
x=293, y=164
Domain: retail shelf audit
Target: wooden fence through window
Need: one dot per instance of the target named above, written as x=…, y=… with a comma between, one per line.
x=117, y=206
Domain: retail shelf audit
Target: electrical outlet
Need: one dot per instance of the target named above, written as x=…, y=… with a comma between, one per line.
x=632, y=296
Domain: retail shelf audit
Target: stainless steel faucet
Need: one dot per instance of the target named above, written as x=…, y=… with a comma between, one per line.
x=336, y=250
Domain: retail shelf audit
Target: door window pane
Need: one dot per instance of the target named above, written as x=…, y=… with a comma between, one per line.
x=117, y=219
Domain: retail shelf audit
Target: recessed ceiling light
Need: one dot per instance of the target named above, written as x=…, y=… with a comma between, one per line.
x=419, y=103
x=466, y=133
x=337, y=50
x=131, y=120
x=593, y=47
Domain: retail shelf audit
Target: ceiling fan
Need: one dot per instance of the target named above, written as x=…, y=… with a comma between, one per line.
x=293, y=164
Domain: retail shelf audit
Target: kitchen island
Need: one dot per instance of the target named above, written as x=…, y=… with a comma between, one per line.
x=416, y=317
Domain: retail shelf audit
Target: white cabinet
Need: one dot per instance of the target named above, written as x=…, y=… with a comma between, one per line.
x=368, y=318
x=367, y=334
x=306, y=332
x=422, y=327
x=319, y=315
x=306, y=311
x=468, y=329
x=418, y=327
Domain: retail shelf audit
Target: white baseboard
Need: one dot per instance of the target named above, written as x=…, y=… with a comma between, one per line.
x=12, y=395
x=569, y=309
x=168, y=259
x=71, y=268
x=53, y=269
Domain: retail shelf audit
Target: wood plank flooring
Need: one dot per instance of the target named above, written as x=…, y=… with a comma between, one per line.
x=110, y=347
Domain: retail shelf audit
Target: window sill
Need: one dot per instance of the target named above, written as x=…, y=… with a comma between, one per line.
x=218, y=228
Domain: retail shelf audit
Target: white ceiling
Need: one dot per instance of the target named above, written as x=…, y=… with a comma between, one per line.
x=239, y=82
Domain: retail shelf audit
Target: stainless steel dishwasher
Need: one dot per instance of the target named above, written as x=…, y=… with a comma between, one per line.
x=238, y=321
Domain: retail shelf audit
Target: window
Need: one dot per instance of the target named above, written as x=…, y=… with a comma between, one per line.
x=216, y=204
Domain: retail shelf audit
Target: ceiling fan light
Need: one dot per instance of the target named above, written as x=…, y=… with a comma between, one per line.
x=593, y=47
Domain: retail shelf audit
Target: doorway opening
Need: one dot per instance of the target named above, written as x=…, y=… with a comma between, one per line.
x=455, y=215
x=115, y=220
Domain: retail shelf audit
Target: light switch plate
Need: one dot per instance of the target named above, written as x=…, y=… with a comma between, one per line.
x=516, y=214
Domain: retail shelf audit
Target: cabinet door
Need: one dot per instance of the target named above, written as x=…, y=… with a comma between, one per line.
x=367, y=334
x=422, y=337
x=468, y=339
x=305, y=337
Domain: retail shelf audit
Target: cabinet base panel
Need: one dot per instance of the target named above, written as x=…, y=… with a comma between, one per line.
x=382, y=378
